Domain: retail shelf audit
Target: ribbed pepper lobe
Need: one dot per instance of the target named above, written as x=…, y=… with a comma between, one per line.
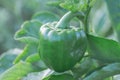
x=61, y=49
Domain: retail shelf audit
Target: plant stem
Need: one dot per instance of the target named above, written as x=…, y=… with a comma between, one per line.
x=63, y=23
x=87, y=17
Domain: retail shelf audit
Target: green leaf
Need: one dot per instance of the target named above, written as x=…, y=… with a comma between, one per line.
x=17, y=71
x=105, y=72
x=7, y=58
x=102, y=49
x=28, y=50
x=114, y=12
x=29, y=32
x=45, y=17
x=59, y=77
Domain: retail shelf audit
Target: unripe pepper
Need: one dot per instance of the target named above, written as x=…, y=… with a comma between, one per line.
x=62, y=46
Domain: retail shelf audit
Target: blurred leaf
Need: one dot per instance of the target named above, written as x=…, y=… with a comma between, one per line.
x=17, y=71
x=114, y=12
x=99, y=19
x=29, y=32
x=7, y=58
x=105, y=72
x=60, y=77
x=104, y=49
x=45, y=17
x=101, y=23
x=28, y=50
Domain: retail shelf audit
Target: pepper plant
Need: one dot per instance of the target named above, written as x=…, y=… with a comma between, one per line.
x=57, y=49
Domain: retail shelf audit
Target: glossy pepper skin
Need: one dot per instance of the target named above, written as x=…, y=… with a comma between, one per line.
x=61, y=49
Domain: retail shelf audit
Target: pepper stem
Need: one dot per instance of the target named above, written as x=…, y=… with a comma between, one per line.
x=63, y=23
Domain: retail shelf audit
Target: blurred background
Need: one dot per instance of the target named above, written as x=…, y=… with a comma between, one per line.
x=14, y=12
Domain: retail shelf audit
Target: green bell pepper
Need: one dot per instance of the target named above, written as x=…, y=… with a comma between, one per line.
x=62, y=46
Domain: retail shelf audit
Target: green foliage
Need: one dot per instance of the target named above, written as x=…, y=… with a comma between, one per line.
x=99, y=62
x=75, y=5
